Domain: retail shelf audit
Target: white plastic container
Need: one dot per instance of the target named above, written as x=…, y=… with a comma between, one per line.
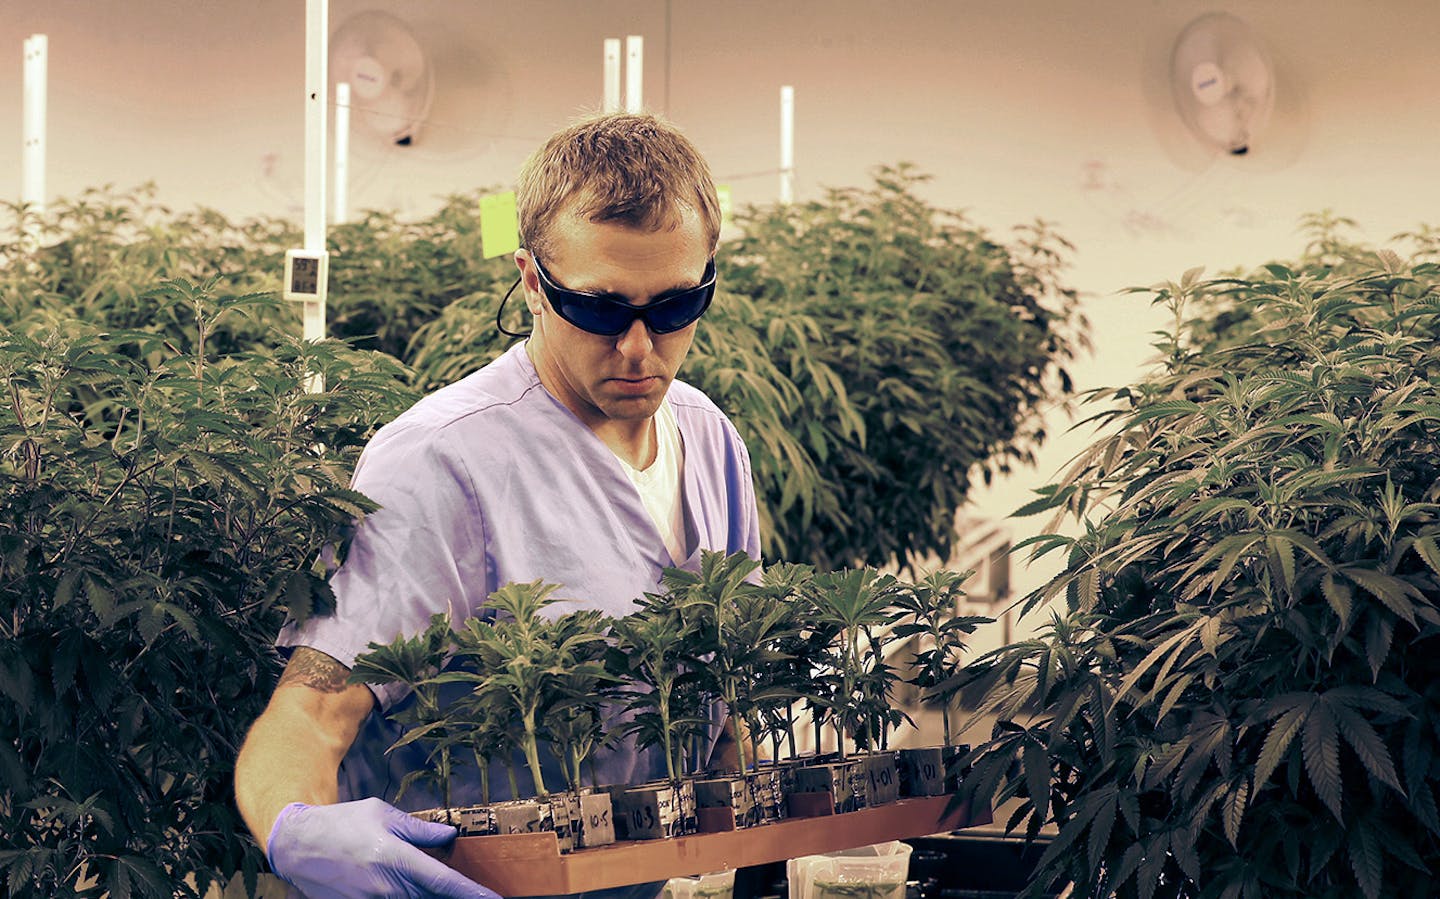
x=719, y=885
x=870, y=872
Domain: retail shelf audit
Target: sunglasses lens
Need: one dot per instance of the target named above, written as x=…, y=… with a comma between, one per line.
x=679, y=311
x=596, y=314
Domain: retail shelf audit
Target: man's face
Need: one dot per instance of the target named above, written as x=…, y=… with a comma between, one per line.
x=621, y=378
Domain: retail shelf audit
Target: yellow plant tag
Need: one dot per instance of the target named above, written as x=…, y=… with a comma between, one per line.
x=722, y=192
x=499, y=226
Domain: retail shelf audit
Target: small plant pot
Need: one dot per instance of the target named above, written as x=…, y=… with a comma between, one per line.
x=470, y=820
x=654, y=811
x=768, y=785
x=881, y=778
x=685, y=793
x=922, y=771
x=931, y=770
x=565, y=813
x=725, y=803
x=827, y=788
x=525, y=816
x=597, y=819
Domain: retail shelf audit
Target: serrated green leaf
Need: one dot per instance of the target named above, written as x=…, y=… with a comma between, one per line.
x=1129, y=864
x=1173, y=695
x=1281, y=552
x=1367, y=860
x=1379, y=634
x=18, y=682
x=1429, y=551
x=1101, y=828
x=65, y=588
x=1237, y=799
x=1163, y=409
x=102, y=601
x=1368, y=746
x=117, y=884
x=1320, y=748
x=1391, y=591
x=1089, y=585
x=1210, y=634
x=1036, y=762
x=1340, y=596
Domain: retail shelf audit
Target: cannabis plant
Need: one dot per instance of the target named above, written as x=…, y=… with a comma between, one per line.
x=526, y=664
x=651, y=648
x=416, y=661
x=160, y=507
x=852, y=603
x=922, y=350
x=1239, y=693
x=735, y=625
x=925, y=610
x=788, y=670
x=573, y=724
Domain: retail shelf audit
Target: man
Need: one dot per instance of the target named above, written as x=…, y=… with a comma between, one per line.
x=575, y=458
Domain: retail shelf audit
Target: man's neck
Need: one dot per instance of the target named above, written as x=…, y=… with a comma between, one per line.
x=633, y=441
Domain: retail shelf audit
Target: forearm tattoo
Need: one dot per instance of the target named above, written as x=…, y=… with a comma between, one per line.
x=314, y=669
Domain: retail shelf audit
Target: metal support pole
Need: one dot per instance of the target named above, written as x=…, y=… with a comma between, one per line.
x=634, y=73
x=317, y=37
x=612, y=75
x=32, y=158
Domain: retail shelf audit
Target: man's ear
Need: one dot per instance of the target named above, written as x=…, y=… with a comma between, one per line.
x=529, y=281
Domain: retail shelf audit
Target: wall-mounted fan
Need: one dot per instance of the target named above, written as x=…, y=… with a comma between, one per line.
x=392, y=82
x=1223, y=82
x=1215, y=89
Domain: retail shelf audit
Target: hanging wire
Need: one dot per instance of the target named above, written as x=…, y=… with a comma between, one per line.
x=500, y=325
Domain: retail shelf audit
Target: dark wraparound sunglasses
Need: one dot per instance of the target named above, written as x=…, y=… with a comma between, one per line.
x=611, y=315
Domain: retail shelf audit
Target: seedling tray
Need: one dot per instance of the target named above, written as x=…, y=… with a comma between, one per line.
x=530, y=864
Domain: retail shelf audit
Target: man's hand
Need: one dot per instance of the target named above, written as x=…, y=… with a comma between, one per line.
x=366, y=848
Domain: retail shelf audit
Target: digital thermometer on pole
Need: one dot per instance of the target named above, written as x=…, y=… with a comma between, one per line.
x=306, y=274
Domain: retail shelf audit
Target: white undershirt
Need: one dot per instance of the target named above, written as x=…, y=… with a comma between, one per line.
x=659, y=485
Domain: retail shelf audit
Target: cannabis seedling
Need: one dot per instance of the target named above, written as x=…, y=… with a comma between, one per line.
x=927, y=610
x=650, y=647
x=416, y=662
x=852, y=602
x=521, y=661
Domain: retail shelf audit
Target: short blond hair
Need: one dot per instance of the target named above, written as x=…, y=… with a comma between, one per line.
x=634, y=169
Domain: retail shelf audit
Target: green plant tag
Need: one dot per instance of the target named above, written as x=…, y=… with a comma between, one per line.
x=722, y=193
x=499, y=226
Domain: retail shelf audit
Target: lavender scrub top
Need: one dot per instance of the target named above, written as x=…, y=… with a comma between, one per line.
x=491, y=480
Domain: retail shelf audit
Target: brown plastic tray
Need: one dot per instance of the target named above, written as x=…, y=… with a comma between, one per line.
x=530, y=864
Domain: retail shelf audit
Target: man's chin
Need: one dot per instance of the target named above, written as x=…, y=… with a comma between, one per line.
x=633, y=408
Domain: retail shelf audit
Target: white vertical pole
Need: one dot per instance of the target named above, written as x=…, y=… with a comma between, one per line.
x=317, y=35
x=32, y=157
x=612, y=74
x=634, y=72
x=342, y=151
x=787, y=144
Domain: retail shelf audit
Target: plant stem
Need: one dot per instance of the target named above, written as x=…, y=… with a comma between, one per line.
x=532, y=755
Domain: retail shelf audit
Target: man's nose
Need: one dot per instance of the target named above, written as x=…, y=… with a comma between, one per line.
x=635, y=342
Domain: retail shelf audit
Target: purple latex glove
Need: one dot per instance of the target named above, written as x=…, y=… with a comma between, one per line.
x=366, y=848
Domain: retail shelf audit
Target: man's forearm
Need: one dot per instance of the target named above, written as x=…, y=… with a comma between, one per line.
x=293, y=750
